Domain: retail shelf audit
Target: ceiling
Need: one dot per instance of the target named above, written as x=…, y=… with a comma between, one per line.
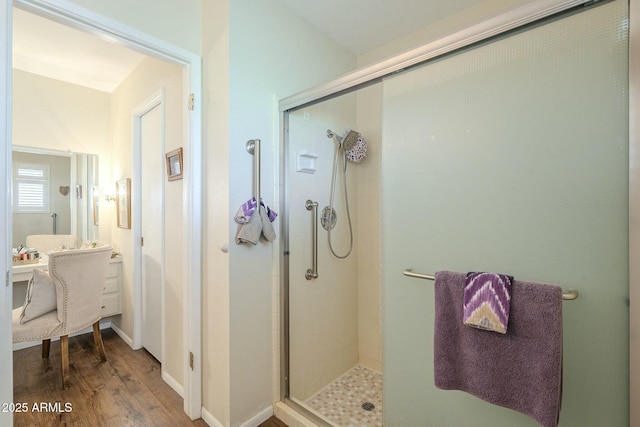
x=362, y=25
x=47, y=48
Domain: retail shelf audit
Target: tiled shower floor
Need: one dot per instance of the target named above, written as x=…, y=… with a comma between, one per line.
x=341, y=401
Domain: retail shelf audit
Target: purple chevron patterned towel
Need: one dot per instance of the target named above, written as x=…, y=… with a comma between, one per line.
x=520, y=370
x=487, y=301
x=243, y=216
x=245, y=211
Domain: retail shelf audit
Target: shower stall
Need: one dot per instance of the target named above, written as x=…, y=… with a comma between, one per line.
x=334, y=318
x=508, y=153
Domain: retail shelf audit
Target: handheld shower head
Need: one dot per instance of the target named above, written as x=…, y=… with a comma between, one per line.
x=349, y=140
x=352, y=144
x=346, y=142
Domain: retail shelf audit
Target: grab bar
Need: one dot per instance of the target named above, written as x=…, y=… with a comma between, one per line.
x=567, y=296
x=253, y=147
x=312, y=273
x=55, y=222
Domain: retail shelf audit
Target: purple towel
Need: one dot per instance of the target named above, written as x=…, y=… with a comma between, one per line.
x=487, y=301
x=520, y=370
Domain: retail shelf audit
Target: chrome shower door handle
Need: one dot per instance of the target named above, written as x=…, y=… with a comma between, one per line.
x=312, y=273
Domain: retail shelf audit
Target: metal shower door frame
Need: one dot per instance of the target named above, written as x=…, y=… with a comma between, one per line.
x=512, y=20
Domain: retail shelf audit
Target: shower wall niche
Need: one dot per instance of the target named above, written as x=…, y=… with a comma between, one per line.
x=334, y=322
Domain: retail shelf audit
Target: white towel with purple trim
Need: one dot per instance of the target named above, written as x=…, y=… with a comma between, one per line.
x=487, y=301
x=259, y=224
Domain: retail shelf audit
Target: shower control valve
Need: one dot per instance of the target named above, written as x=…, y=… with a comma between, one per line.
x=328, y=218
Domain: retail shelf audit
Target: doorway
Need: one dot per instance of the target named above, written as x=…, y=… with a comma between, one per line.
x=149, y=135
x=74, y=16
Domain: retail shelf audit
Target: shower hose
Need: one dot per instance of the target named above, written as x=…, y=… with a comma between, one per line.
x=339, y=150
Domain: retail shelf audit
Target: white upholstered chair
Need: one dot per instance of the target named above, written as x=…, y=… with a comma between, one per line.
x=47, y=242
x=78, y=277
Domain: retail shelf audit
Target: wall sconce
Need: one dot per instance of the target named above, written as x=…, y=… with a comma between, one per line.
x=109, y=192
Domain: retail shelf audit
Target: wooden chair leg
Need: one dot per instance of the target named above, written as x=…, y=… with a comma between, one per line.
x=97, y=339
x=64, y=360
x=46, y=344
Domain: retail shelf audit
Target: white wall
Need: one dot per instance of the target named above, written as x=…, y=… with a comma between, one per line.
x=216, y=380
x=60, y=116
x=273, y=54
x=177, y=22
x=368, y=229
x=143, y=83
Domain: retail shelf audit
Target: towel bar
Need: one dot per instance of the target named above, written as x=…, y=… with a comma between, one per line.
x=567, y=296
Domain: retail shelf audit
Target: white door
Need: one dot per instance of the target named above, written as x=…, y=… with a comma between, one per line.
x=152, y=165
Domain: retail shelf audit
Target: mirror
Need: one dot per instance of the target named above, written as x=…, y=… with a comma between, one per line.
x=54, y=192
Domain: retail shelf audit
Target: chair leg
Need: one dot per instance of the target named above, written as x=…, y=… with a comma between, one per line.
x=64, y=359
x=97, y=339
x=46, y=344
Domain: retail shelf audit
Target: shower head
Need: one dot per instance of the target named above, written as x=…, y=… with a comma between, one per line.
x=346, y=142
x=349, y=140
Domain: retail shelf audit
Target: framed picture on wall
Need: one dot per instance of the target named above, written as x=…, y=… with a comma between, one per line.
x=123, y=202
x=174, y=164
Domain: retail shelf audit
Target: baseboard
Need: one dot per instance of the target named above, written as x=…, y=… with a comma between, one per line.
x=175, y=385
x=122, y=335
x=258, y=419
x=27, y=344
x=253, y=422
x=210, y=419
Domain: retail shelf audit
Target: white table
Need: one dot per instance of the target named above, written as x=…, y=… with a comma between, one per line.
x=24, y=272
x=111, y=297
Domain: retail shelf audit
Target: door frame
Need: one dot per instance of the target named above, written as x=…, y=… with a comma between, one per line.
x=154, y=101
x=6, y=352
x=79, y=17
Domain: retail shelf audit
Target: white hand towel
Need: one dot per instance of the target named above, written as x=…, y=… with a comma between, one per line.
x=267, y=228
x=250, y=231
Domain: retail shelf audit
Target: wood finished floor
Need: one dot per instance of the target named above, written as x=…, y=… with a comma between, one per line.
x=127, y=390
x=273, y=422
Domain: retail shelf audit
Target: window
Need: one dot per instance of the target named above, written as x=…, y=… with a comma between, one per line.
x=30, y=188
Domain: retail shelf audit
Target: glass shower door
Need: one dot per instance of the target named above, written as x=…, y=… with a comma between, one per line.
x=323, y=341
x=511, y=157
x=334, y=340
